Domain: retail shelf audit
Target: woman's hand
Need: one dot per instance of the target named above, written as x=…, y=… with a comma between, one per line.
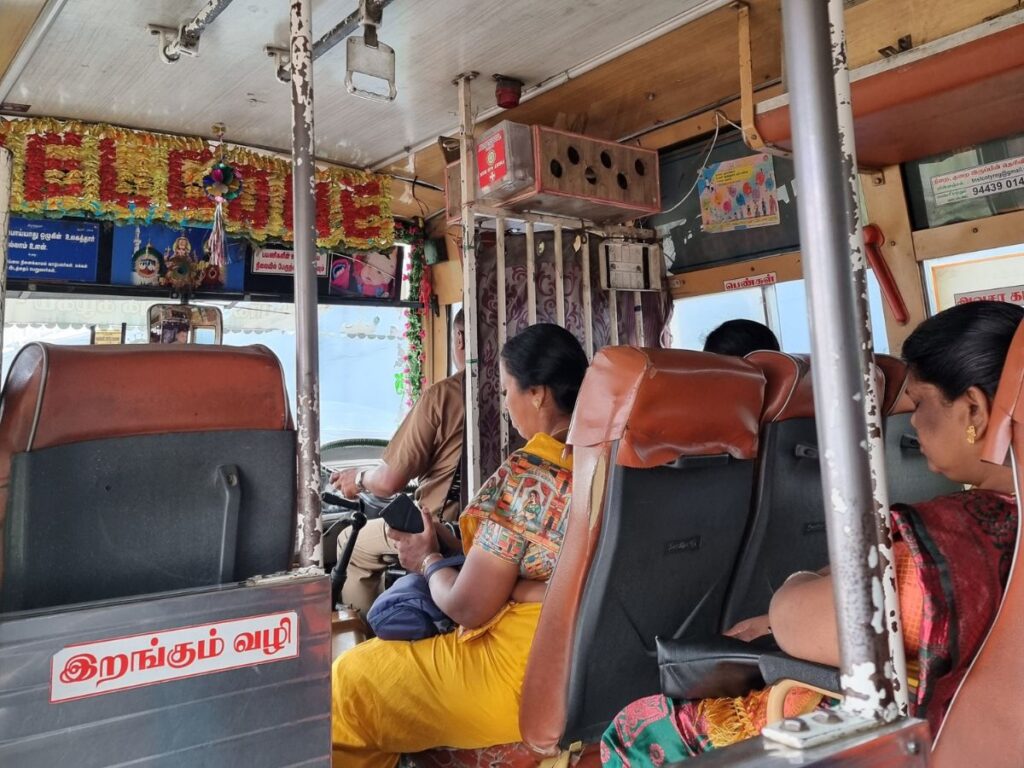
x=414, y=547
x=750, y=629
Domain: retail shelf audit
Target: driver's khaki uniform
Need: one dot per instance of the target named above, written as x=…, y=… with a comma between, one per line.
x=427, y=446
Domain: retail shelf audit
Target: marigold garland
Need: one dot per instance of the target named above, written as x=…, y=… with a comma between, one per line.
x=102, y=171
x=415, y=319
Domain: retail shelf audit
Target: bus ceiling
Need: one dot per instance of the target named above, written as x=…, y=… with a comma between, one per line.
x=653, y=74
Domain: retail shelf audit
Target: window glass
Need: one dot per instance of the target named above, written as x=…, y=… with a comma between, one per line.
x=794, y=323
x=361, y=348
x=694, y=318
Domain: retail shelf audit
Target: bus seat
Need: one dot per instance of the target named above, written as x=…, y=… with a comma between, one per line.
x=982, y=724
x=134, y=469
x=664, y=443
x=908, y=476
x=663, y=450
x=787, y=521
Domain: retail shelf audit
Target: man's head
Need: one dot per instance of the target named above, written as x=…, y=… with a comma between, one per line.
x=459, y=340
x=739, y=338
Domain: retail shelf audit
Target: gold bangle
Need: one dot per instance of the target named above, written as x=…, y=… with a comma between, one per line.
x=424, y=564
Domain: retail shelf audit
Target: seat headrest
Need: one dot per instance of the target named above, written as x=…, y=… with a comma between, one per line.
x=895, y=371
x=788, y=391
x=661, y=404
x=57, y=395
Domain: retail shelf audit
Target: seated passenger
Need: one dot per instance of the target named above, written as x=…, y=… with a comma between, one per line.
x=462, y=689
x=428, y=447
x=739, y=338
x=952, y=557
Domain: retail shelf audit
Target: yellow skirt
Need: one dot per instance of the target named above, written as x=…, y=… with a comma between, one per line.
x=457, y=690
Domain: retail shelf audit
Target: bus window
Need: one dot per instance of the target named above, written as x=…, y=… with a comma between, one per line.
x=782, y=307
x=996, y=274
x=694, y=318
x=361, y=348
x=794, y=326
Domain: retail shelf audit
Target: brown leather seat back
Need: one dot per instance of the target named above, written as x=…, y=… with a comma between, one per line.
x=983, y=723
x=663, y=446
x=787, y=522
x=907, y=474
x=71, y=398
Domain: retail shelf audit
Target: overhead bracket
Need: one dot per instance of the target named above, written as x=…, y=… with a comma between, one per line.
x=748, y=126
x=168, y=42
x=282, y=62
x=905, y=43
x=368, y=59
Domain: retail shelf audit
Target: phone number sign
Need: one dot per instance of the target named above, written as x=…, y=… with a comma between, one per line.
x=980, y=181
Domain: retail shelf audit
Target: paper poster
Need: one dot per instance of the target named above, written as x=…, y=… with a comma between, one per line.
x=173, y=257
x=992, y=278
x=369, y=275
x=48, y=249
x=738, y=194
x=281, y=261
x=980, y=181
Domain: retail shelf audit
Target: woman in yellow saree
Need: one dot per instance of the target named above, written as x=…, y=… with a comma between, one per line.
x=462, y=689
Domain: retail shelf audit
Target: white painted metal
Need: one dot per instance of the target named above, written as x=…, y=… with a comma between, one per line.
x=467, y=156
x=47, y=15
x=6, y=169
x=502, y=327
x=531, y=275
x=588, y=300
x=559, y=278
x=307, y=354
x=97, y=62
x=872, y=400
x=638, y=319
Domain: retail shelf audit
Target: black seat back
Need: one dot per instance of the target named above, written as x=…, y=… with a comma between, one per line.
x=133, y=470
x=787, y=522
x=682, y=434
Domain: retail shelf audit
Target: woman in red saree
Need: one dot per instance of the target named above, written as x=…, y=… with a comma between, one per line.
x=952, y=555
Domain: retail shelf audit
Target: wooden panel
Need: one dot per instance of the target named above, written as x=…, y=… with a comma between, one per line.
x=886, y=206
x=786, y=266
x=968, y=236
x=965, y=94
x=409, y=202
x=16, y=19
x=447, y=277
x=874, y=24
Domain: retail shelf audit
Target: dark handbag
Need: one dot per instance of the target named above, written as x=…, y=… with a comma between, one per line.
x=406, y=611
x=714, y=667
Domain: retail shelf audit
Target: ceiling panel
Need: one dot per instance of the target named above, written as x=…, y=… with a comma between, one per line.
x=98, y=62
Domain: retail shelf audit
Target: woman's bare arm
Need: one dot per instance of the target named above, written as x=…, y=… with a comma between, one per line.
x=803, y=618
x=471, y=597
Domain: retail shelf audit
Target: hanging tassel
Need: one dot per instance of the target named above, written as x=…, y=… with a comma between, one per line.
x=216, y=244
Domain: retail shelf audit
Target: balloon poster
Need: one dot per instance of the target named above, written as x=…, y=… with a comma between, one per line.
x=738, y=194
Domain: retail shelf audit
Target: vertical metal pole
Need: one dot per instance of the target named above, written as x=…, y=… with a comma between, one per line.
x=559, y=277
x=307, y=362
x=613, y=316
x=873, y=400
x=823, y=170
x=588, y=299
x=469, y=304
x=531, y=275
x=502, y=328
x=6, y=171
x=638, y=319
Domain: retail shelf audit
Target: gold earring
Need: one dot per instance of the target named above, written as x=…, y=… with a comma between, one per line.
x=972, y=435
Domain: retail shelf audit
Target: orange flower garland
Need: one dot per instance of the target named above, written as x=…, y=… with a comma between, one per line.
x=72, y=168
